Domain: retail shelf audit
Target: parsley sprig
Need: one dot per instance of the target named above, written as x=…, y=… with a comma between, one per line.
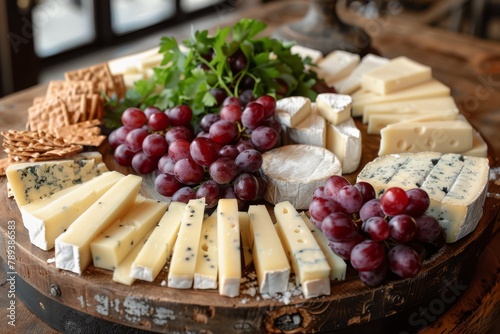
x=188, y=78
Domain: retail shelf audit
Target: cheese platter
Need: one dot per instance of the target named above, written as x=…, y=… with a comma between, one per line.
x=160, y=307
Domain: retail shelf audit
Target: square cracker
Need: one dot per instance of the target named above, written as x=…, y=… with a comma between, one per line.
x=99, y=75
x=48, y=115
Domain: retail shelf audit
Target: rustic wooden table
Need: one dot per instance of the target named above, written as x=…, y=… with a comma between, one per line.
x=471, y=67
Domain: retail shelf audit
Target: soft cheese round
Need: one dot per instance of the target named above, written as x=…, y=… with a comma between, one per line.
x=293, y=172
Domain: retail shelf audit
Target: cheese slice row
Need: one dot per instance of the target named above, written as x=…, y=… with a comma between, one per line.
x=123, y=271
x=456, y=184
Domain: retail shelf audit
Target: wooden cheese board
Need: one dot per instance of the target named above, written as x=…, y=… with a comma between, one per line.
x=93, y=302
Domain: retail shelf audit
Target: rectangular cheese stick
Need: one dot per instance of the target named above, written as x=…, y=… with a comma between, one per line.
x=117, y=240
x=122, y=272
x=228, y=234
x=270, y=261
x=156, y=252
x=73, y=246
x=183, y=263
x=207, y=264
x=246, y=243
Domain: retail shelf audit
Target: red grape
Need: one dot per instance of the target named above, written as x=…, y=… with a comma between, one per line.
x=154, y=145
x=228, y=151
x=269, y=104
x=158, y=121
x=223, y=132
x=321, y=207
x=179, y=149
x=264, y=138
x=366, y=189
x=349, y=198
x=207, y=121
x=223, y=170
x=404, y=261
x=123, y=155
x=344, y=248
x=394, y=201
x=184, y=194
x=133, y=117
x=403, y=228
x=180, y=115
x=167, y=184
x=187, y=171
x=231, y=113
x=179, y=132
x=374, y=277
x=211, y=191
x=418, y=202
x=135, y=138
x=246, y=187
x=377, y=228
x=370, y=209
x=367, y=255
x=244, y=145
x=144, y=164
x=338, y=226
x=203, y=151
x=148, y=111
x=118, y=136
x=231, y=100
x=166, y=164
x=246, y=97
x=333, y=184
x=252, y=115
x=428, y=229
x=219, y=94
x=249, y=161
x=319, y=192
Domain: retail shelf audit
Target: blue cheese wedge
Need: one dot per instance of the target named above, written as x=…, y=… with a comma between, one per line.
x=293, y=172
x=157, y=250
x=456, y=184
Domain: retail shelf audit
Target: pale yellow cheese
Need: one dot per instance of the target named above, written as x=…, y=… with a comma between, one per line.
x=446, y=136
x=183, y=262
x=335, y=108
x=269, y=257
x=117, y=240
x=479, y=146
x=123, y=272
x=337, y=65
x=73, y=246
x=229, y=253
x=46, y=223
x=205, y=272
x=352, y=82
x=156, y=252
x=399, y=73
x=246, y=238
x=431, y=88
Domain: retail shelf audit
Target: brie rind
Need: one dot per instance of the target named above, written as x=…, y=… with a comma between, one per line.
x=291, y=111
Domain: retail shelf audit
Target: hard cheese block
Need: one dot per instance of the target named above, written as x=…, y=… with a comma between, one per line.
x=337, y=65
x=337, y=264
x=352, y=82
x=156, y=252
x=183, y=262
x=293, y=172
x=335, y=108
x=456, y=185
x=441, y=133
x=269, y=257
x=207, y=262
x=229, y=252
x=32, y=181
x=345, y=141
x=432, y=88
x=311, y=268
x=45, y=224
x=291, y=111
x=118, y=239
x=73, y=246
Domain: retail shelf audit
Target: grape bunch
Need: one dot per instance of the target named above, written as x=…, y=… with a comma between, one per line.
x=221, y=159
x=390, y=235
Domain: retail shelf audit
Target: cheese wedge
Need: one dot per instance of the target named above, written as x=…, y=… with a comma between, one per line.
x=431, y=88
x=183, y=262
x=117, y=240
x=229, y=253
x=335, y=108
x=479, y=146
x=246, y=238
x=73, y=246
x=434, y=105
x=337, y=264
x=35, y=180
x=291, y=111
x=207, y=262
x=304, y=52
x=311, y=131
x=337, y=65
x=352, y=82
x=123, y=272
x=46, y=223
x=311, y=268
x=156, y=252
x=269, y=257
x=397, y=74
x=345, y=141
x=293, y=172
x=456, y=184
x=452, y=135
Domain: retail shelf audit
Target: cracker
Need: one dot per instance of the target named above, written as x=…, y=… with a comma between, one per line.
x=120, y=87
x=99, y=75
x=60, y=87
x=47, y=115
x=4, y=163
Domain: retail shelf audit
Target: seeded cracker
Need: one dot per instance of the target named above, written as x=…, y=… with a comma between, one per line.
x=47, y=115
x=99, y=75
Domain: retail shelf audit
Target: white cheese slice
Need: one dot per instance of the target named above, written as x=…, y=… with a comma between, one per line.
x=352, y=82
x=291, y=111
x=205, y=272
x=399, y=73
x=183, y=262
x=293, y=172
x=305, y=52
x=377, y=122
x=156, y=252
x=456, y=185
x=117, y=240
x=479, y=147
x=345, y=141
x=269, y=257
x=431, y=88
x=46, y=223
x=453, y=135
x=335, y=108
x=337, y=265
x=31, y=181
x=246, y=238
x=337, y=65
x=229, y=252
x=434, y=105
x=123, y=272
x=308, y=261
x=73, y=246
x=311, y=131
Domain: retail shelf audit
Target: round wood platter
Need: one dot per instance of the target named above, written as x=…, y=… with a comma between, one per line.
x=68, y=301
